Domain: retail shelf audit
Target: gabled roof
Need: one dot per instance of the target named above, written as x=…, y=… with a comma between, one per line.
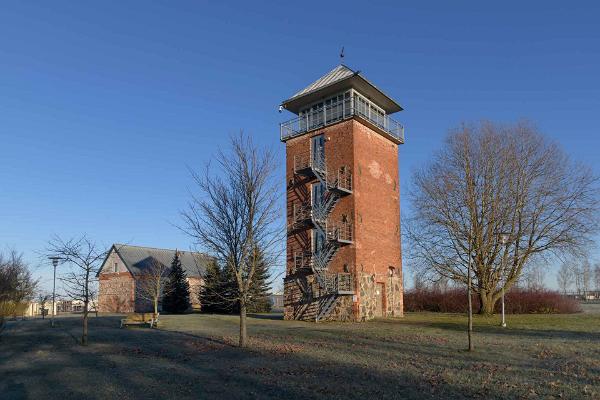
x=336, y=80
x=137, y=259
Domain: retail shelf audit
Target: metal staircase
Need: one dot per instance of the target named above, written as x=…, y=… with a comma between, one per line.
x=316, y=214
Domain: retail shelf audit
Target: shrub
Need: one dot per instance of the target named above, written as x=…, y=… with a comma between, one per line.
x=517, y=301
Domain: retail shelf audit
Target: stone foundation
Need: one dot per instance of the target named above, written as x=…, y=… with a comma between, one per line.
x=303, y=299
x=389, y=291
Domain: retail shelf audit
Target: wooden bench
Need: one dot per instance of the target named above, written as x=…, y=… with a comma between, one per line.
x=140, y=319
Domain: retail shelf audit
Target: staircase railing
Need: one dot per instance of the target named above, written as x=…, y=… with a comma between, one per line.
x=343, y=180
x=335, y=234
x=302, y=261
x=341, y=232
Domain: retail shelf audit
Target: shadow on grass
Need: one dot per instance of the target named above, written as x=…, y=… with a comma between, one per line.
x=508, y=331
x=271, y=316
x=155, y=364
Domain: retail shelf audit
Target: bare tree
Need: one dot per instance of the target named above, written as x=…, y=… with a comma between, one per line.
x=84, y=257
x=577, y=273
x=495, y=181
x=17, y=286
x=564, y=277
x=533, y=277
x=586, y=277
x=150, y=284
x=597, y=277
x=236, y=217
x=42, y=300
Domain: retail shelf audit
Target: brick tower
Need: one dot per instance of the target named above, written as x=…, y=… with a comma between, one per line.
x=343, y=201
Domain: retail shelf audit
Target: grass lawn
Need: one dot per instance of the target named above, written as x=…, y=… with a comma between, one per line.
x=191, y=357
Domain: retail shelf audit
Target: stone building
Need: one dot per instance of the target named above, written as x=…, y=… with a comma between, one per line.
x=343, y=201
x=125, y=264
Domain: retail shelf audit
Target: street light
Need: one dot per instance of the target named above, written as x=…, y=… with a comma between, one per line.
x=504, y=239
x=55, y=260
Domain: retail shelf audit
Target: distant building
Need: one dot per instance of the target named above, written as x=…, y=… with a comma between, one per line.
x=64, y=306
x=585, y=296
x=118, y=276
x=343, y=201
x=34, y=309
x=276, y=301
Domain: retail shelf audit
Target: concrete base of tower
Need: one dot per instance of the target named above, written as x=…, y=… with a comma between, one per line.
x=374, y=297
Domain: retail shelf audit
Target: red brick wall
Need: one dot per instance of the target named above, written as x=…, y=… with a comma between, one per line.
x=116, y=292
x=373, y=207
x=377, y=211
x=338, y=152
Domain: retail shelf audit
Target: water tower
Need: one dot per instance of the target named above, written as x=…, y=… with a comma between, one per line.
x=343, y=201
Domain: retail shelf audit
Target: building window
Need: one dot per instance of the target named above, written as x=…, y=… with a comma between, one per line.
x=392, y=271
x=116, y=267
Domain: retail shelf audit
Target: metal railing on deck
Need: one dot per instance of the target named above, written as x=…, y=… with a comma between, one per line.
x=301, y=212
x=336, y=112
x=343, y=180
x=307, y=160
x=302, y=261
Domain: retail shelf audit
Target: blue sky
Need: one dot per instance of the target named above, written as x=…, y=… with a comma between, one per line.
x=103, y=105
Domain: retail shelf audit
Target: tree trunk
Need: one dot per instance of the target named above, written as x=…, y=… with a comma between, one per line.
x=84, y=336
x=243, y=333
x=155, y=307
x=488, y=302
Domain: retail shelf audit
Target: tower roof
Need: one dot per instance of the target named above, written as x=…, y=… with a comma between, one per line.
x=336, y=80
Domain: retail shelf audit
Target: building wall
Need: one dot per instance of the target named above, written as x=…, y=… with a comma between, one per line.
x=373, y=208
x=195, y=285
x=391, y=296
x=338, y=153
x=34, y=308
x=302, y=298
x=113, y=261
x=377, y=217
x=116, y=290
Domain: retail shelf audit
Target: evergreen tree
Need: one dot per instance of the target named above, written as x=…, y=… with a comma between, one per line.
x=219, y=293
x=259, y=293
x=229, y=287
x=177, y=290
x=258, y=300
x=211, y=292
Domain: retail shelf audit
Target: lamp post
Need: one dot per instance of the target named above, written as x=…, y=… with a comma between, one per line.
x=55, y=260
x=504, y=238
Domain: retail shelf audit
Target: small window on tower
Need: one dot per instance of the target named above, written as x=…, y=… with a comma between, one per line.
x=116, y=267
x=392, y=271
